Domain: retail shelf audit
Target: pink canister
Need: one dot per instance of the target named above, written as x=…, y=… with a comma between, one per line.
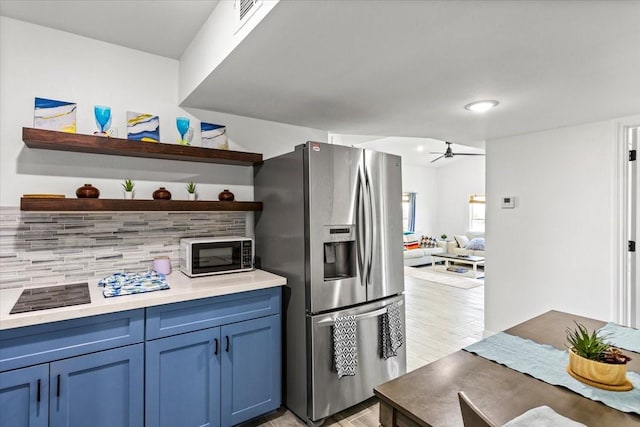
x=162, y=265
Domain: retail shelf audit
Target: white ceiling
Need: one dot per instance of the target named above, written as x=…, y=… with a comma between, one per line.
x=394, y=68
x=407, y=68
x=414, y=151
x=161, y=27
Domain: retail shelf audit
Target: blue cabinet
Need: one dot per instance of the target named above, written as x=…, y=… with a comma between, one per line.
x=24, y=397
x=78, y=372
x=207, y=362
x=251, y=369
x=103, y=389
x=227, y=370
x=183, y=380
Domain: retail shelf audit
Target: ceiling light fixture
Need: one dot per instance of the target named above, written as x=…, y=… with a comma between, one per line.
x=481, y=106
x=420, y=148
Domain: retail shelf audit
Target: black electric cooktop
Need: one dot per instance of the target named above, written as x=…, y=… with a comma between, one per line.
x=47, y=297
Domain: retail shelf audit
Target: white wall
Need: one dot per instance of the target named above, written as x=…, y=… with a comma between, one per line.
x=555, y=249
x=423, y=181
x=214, y=42
x=456, y=182
x=40, y=62
x=260, y=136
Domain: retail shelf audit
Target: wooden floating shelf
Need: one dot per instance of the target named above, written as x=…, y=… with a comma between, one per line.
x=47, y=204
x=62, y=141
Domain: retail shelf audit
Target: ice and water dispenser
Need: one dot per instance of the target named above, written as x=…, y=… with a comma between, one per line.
x=339, y=252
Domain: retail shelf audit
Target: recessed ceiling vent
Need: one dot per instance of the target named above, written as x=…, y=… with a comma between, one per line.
x=245, y=10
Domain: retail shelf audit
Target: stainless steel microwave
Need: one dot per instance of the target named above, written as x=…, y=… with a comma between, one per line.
x=205, y=256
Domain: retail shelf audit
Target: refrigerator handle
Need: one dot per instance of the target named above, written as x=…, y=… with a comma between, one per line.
x=331, y=321
x=360, y=227
x=371, y=224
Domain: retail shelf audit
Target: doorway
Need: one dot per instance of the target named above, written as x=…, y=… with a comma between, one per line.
x=628, y=300
x=633, y=214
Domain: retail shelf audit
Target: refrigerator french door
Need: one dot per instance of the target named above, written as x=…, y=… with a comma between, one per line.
x=331, y=394
x=332, y=225
x=354, y=206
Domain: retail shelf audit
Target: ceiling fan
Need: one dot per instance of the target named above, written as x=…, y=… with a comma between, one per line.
x=449, y=153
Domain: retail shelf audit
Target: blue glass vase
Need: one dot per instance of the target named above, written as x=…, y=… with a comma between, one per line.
x=182, y=123
x=103, y=118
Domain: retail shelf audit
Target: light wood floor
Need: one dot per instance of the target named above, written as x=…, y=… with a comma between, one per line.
x=440, y=320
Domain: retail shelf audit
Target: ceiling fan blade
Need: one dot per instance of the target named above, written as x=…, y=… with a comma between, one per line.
x=434, y=152
x=437, y=158
x=468, y=154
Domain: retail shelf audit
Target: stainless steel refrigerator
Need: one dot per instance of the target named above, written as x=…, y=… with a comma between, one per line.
x=332, y=225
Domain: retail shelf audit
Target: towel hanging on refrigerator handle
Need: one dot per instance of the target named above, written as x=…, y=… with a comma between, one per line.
x=345, y=345
x=391, y=336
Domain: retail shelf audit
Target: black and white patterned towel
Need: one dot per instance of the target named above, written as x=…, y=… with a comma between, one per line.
x=391, y=336
x=345, y=346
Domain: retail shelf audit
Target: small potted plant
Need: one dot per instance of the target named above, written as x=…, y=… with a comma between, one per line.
x=443, y=237
x=191, y=190
x=128, y=189
x=594, y=361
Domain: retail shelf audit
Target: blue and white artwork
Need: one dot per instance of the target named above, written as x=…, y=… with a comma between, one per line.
x=143, y=127
x=55, y=115
x=214, y=136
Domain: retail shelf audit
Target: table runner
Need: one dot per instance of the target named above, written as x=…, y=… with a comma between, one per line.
x=549, y=364
x=621, y=336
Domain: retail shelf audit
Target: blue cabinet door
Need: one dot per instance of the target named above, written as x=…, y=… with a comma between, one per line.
x=102, y=389
x=251, y=369
x=183, y=380
x=24, y=397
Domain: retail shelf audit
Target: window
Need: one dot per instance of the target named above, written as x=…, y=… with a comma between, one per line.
x=409, y=211
x=476, y=212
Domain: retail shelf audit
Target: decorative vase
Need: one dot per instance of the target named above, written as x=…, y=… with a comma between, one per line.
x=191, y=196
x=87, y=191
x=128, y=195
x=598, y=374
x=162, y=194
x=226, y=196
x=103, y=119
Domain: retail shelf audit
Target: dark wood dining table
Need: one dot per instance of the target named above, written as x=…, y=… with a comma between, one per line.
x=428, y=396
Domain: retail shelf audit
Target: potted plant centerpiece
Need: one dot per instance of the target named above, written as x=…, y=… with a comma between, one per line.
x=594, y=361
x=128, y=188
x=191, y=190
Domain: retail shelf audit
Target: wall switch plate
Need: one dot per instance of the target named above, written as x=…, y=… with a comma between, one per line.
x=508, y=202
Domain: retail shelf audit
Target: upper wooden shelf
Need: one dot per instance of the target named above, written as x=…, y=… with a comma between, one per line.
x=45, y=204
x=62, y=141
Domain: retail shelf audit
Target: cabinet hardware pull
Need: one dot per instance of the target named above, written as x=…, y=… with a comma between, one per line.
x=38, y=397
x=58, y=387
x=227, y=349
x=216, y=350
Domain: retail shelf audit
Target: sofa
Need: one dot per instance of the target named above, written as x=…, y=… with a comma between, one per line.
x=418, y=249
x=466, y=244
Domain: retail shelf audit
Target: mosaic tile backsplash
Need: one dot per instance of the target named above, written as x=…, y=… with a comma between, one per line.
x=43, y=248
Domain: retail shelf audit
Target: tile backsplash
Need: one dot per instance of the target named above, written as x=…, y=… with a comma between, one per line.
x=41, y=248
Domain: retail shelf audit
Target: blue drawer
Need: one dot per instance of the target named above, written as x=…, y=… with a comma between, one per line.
x=30, y=345
x=181, y=317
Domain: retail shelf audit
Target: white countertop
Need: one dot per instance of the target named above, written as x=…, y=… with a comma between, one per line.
x=183, y=288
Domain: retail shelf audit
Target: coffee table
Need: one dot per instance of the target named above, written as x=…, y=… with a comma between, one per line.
x=460, y=259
